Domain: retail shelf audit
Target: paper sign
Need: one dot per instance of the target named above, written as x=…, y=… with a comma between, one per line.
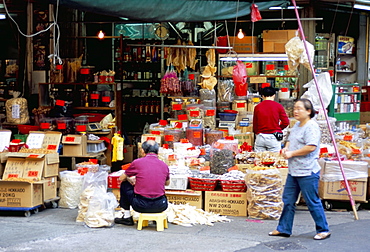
x=210, y=112
x=81, y=128
x=196, y=134
x=240, y=105
x=52, y=147
x=163, y=122
x=249, y=65
x=105, y=99
x=168, y=138
x=150, y=138
x=194, y=113
x=44, y=125
x=62, y=125
x=60, y=103
x=176, y=106
x=155, y=132
x=94, y=96
x=270, y=67
x=69, y=139
x=182, y=117
x=286, y=67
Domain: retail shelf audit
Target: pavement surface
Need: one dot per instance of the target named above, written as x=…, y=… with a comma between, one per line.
x=56, y=230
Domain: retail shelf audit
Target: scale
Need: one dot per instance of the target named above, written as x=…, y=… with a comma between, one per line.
x=226, y=124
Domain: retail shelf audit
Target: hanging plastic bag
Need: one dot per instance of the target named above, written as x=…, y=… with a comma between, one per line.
x=222, y=41
x=255, y=13
x=296, y=53
x=324, y=82
x=240, y=79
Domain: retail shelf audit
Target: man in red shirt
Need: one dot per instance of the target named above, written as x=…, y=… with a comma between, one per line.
x=143, y=185
x=269, y=119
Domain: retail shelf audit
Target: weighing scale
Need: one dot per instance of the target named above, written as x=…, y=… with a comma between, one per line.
x=226, y=124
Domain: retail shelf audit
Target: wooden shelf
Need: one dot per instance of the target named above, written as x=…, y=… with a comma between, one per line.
x=94, y=108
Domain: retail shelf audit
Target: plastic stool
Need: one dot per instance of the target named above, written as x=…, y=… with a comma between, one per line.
x=159, y=218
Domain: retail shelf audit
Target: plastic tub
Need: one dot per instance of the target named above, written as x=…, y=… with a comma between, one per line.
x=227, y=116
x=47, y=123
x=65, y=125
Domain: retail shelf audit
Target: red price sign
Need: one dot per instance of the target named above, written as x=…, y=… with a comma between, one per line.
x=94, y=96
x=60, y=102
x=286, y=67
x=44, y=125
x=33, y=156
x=52, y=147
x=81, y=128
x=168, y=138
x=163, y=122
x=195, y=113
x=196, y=134
x=182, y=117
x=156, y=132
x=240, y=105
x=210, y=112
x=150, y=138
x=270, y=67
x=249, y=65
x=12, y=175
x=347, y=138
x=32, y=173
x=70, y=139
x=62, y=125
x=176, y=106
x=105, y=99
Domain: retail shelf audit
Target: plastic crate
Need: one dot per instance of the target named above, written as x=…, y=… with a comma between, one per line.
x=233, y=185
x=199, y=184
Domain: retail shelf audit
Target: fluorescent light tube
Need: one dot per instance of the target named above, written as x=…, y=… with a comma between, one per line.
x=361, y=7
x=2, y=16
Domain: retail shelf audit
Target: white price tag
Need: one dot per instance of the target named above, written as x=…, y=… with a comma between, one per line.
x=15, y=111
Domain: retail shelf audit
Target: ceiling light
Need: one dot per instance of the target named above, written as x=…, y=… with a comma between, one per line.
x=101, y=34
x=361, y=7
x=2, y=6
x=288, y=7
x=240, y=34
x=2, y=16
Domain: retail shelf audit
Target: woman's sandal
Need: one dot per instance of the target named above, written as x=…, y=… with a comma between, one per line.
x=277, y=233
x=322, y=236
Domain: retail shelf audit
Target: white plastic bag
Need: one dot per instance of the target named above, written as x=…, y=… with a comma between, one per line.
x=70, y=189
x=324, y=82
x=296, y=53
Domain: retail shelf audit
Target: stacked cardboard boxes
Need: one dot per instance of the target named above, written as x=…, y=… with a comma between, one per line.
x=274, y=40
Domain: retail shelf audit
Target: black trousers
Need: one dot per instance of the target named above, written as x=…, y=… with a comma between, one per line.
x=139, y=203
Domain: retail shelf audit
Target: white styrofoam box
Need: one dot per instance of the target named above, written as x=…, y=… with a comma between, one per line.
x=178, y=182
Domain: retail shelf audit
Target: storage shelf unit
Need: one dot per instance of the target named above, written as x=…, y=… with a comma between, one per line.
x=345, y=105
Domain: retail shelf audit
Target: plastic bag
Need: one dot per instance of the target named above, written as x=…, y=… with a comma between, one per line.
x=296, y=53
x=70, y=189
x=225, y=91
x=255, y=13
x=92, y=181
x=240, y=79
x=264, y=193
x=324, y=82
x=222, y=41
x=17, y=110
x=100, y=212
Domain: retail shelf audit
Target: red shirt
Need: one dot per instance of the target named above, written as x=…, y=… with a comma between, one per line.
x=269, y=117
x=151, y=175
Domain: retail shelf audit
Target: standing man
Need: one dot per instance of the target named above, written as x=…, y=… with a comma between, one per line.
x=269, y=119
x=143, y=185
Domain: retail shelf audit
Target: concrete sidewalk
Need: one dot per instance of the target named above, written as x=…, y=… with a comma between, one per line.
x=56, y=230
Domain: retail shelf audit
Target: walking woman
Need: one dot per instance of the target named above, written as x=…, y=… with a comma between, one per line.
x=302, y=152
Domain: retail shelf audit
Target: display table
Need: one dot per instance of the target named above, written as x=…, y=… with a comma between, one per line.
x=71, y=161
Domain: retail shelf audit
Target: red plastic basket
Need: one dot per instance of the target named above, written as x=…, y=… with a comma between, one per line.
x=25, y=129
x=233, y=185
x=199, y=184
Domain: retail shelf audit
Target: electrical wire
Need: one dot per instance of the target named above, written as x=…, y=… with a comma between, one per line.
x=236, y=22
x=55, y=55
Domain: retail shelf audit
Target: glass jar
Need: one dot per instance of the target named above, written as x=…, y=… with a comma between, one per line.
x=47, y=123
x=177, y=108
x=106, y=98
x=80, y=123
x=213, y=135
x=54, y=95
x=83, y=96
x=94, y=99
x=3, y=90
x=171, y=136
x=195, y=136
x=65, y=125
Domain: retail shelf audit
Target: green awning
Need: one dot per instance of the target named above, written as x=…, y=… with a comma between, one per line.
x=169, y=10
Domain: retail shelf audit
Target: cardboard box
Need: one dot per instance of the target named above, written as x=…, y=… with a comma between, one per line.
x=245, y=137
x=74, y=145
x=193, y=198
x=336, y=190
x=278, y=35
x=44, y=140
x=29, y=165
x=226, y=203
x=49, y=188
x=365, y=117
x=247, y=44
x=116, y=193
x=128, y=153
x=20, y=194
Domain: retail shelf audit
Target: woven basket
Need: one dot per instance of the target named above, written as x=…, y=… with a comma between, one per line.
x=199, y=184
x=233, y=185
